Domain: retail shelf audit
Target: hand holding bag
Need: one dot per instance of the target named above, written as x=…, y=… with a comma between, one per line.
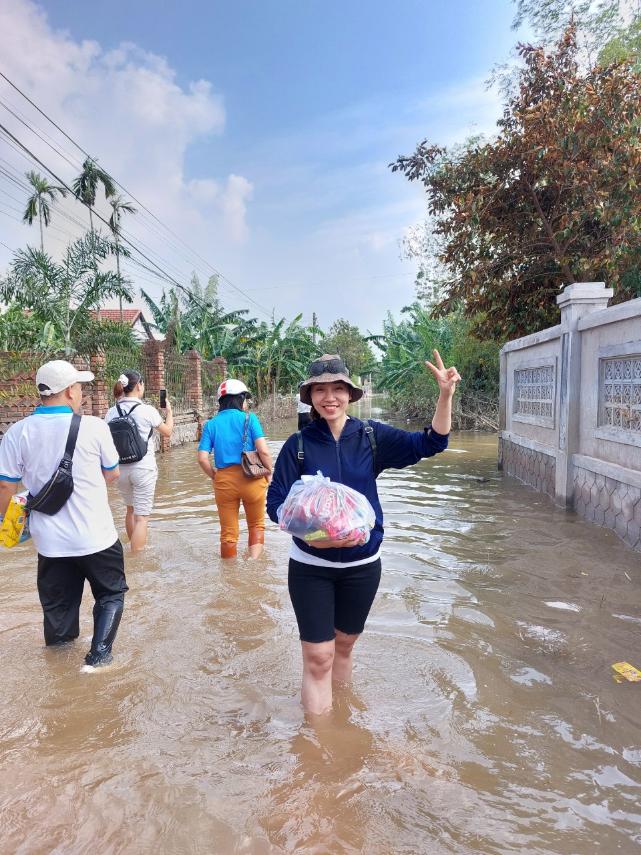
x=250, y=461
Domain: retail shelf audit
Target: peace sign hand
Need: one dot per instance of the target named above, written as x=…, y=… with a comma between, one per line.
x=447, y=378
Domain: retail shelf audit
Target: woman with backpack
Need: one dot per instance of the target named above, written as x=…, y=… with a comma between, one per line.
x=233, y=431
x=332, y=584
x=132, y=424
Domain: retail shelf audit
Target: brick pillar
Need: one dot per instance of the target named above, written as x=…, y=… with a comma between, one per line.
x=194, y=382
x=154, y=352
x=154, y=375
x=100, y=394
x=220, y=364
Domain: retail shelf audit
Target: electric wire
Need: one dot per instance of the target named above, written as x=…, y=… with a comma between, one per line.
x=218, y=273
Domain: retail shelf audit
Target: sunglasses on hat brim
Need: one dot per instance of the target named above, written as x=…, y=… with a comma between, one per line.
x=327, y=366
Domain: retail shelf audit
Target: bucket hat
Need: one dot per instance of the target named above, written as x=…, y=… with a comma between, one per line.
x=328, y=368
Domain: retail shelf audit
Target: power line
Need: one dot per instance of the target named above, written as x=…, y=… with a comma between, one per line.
x=27, y=125
x=220, y=275
x=97, y=215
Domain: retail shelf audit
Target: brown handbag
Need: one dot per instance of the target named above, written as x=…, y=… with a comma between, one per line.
x=250, y=461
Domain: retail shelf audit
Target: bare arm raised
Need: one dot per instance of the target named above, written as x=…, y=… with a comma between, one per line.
x=447, y=378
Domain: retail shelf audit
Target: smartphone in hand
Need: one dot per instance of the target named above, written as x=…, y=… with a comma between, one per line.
x=163, y=399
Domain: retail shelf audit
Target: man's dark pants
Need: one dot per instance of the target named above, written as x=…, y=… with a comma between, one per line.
x=60, y=585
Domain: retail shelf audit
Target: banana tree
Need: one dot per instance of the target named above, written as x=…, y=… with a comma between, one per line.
x=278, y=355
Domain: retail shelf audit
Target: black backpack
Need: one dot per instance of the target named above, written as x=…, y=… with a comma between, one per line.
x=131, y=447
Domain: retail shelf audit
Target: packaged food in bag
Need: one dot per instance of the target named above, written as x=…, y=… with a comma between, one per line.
x=14, y=526
x=317, y=509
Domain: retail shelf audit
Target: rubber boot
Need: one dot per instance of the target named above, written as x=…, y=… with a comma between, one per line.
x=106, y=620
x=228, y=550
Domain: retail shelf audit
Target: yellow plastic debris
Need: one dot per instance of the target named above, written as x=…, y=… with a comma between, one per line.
x=625, y=671
x=12, y=529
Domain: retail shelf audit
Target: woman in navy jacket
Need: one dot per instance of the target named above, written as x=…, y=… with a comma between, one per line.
x=332, y=585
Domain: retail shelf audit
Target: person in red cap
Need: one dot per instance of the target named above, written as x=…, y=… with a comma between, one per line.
x=79, y=540
x=234, y=430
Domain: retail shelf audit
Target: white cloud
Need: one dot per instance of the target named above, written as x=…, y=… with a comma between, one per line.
x=237, y=193
x=326, y=213
x=127, y=108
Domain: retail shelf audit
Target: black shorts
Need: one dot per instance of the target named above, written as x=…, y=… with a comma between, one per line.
x=329, y=598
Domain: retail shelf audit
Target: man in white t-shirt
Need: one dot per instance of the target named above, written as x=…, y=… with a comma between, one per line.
x=80, y=541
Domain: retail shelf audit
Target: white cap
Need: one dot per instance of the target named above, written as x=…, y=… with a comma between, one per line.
x=231, y=387
x=53, y=377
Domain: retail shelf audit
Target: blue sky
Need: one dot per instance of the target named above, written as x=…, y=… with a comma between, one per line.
x=261, y=132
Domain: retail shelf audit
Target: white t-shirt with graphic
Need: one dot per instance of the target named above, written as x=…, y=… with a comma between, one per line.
x=30, y=452
x=146, y=418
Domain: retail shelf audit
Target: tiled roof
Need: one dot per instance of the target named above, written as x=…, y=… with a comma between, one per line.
x=129, y=316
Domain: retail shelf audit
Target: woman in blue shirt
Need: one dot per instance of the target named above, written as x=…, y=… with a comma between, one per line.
x=223, y=437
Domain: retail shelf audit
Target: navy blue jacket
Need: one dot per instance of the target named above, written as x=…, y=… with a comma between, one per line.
x=349, y=461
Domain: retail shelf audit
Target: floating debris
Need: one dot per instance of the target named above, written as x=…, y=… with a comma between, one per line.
x=625, y=671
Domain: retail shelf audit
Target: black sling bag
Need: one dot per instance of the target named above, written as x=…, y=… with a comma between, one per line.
x=50, y=498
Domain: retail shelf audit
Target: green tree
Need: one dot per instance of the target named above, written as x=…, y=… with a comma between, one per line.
x=552, y=200
x=38, y=203
x=346, y=339
x=605, y=25
x=85, y=186
x=119, y=206
x=277, y=355
x=64, y=294
x=407, y=343
x=194, y=319
x=22, y=330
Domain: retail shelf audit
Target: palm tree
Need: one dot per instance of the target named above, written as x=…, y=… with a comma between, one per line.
x=119, y=207
x=64, y=293
x=38, y=204
x=86, y=184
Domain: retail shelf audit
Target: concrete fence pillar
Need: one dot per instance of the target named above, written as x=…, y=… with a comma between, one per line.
x=576, y=301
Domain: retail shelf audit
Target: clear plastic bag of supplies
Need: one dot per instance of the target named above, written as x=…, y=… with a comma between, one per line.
x=317, y=509
x=14, y=526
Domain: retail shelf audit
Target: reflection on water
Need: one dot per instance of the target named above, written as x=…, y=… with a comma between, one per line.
x=483, y=715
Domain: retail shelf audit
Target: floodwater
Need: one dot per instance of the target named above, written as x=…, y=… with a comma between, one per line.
x=483, y=717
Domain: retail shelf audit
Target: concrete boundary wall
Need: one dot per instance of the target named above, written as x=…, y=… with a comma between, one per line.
x=570, y=409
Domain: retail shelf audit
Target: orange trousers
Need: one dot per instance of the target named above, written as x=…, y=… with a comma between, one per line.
x=231, y=487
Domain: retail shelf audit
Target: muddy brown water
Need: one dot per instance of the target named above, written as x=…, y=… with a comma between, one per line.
x=483, y=717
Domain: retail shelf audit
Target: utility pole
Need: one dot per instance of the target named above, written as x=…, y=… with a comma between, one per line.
x=314, y=328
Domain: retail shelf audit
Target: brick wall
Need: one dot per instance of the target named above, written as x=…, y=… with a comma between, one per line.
x=19, y=397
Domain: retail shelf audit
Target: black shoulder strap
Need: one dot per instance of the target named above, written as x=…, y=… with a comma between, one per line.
x=300, y=454
x=72, y=436
x=369, y=432
x=129, y=411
